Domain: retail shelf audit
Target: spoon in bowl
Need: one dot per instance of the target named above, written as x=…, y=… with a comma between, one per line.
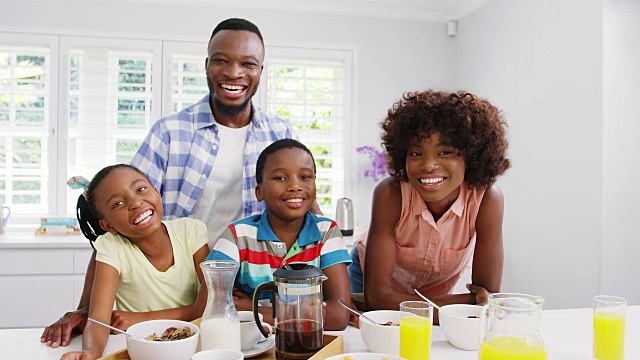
x=427, y=300
x=116, y=329
x=357, y=312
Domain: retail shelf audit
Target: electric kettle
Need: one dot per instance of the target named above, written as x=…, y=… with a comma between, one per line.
x=344, y=216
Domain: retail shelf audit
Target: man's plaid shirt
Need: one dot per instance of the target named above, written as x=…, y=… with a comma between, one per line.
x=180, y=150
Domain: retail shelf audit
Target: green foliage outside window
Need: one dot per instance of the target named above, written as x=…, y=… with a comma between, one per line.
x=26, y=152
x=27, y=185
x=25, y=199
x=136, y=74
x=125, y=149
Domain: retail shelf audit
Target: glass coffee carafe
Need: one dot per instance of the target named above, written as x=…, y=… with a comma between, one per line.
x=220, y=324
x=513, y=328
x=297, y=310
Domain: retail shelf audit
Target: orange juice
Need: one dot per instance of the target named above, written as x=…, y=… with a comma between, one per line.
x=511, y=348
x=415, y=337
x=608, y=335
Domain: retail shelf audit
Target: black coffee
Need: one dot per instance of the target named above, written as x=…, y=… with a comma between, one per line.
x=298, y=339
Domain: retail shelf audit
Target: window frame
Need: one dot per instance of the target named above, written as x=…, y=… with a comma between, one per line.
x=322, y=52
x=60, y=46
x=51, y=124
x=72, y=42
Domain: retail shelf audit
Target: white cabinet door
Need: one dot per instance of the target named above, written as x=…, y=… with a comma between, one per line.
x=40, y=285
x=81, y=259
x=34, y=301
x=36, y=261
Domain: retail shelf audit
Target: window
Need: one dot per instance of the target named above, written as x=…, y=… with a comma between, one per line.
x=310, y=88
x=27, y=104
x=109, y=84
x=110, y=91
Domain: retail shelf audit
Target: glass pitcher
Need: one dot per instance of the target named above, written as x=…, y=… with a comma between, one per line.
x=297, y=310
x=220, y=324
x=513, y=328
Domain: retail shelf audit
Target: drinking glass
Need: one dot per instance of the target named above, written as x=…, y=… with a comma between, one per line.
x=609, y=314
x=415, y=331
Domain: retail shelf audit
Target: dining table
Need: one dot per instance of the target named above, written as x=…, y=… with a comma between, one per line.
x=567, y=335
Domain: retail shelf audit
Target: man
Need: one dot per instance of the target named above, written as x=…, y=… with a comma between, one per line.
x=202, y=159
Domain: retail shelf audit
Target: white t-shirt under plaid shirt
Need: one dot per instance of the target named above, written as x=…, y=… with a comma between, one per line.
x=180, y=150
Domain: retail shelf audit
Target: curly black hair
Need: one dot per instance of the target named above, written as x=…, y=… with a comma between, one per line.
x=470, y=124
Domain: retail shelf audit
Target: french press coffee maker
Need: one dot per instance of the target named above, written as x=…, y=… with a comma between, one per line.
x=297, y=310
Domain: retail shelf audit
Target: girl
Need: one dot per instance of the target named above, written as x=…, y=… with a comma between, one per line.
x=440, y=207
x=148, y=266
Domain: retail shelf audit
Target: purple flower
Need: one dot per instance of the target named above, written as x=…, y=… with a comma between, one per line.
x=378, y=168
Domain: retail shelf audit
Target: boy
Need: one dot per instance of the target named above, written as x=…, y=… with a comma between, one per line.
x=287, y=232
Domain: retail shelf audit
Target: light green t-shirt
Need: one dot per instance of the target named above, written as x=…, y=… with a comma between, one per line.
x=141, y=287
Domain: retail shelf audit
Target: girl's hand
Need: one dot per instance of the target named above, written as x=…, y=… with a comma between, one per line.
x=482, y=295
x=124, y=319
x=80, y=355
x=242, y=300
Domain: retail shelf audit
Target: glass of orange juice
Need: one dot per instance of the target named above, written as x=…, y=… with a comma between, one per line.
x=415, y=330
x=609, y=313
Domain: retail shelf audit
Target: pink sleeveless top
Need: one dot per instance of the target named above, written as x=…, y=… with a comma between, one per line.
x=431, y=256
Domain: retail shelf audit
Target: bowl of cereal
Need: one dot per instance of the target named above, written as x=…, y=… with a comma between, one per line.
x=383, y=337
x=462, y=325
x=163, y=340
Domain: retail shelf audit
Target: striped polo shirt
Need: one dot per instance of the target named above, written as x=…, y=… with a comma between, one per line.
x=252, y=242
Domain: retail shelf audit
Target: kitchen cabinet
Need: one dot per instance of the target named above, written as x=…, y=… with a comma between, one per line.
x=41, y=276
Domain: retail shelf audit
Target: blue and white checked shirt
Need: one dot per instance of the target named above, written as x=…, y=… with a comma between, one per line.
x=180, y=150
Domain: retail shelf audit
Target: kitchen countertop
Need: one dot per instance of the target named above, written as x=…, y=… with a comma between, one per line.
x=567, y=335
x=25, y=239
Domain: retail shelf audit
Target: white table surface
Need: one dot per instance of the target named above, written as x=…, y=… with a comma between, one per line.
x=567, y=335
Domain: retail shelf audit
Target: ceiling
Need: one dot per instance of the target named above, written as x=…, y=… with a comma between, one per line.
x=426, y=10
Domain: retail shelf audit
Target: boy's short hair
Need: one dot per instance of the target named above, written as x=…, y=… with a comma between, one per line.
x=237, y=24
x=275, y=146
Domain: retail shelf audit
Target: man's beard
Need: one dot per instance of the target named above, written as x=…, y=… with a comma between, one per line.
x=230, y=110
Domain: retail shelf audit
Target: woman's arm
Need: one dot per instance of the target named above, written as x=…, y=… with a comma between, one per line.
x=335, y=288
x=380, y=254
x=488, y=258
x=124, y=319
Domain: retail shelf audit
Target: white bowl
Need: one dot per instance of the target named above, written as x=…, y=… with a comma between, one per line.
x=218, y=354
x=461, y=331
x=380, y=338
x=161, y=350
x=364, y=356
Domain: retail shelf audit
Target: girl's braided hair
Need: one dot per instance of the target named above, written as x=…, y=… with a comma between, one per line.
x=473, y=126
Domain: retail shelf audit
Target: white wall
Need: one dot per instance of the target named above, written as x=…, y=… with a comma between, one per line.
x=541, y=62
x=391, y=56
x=621, y=195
